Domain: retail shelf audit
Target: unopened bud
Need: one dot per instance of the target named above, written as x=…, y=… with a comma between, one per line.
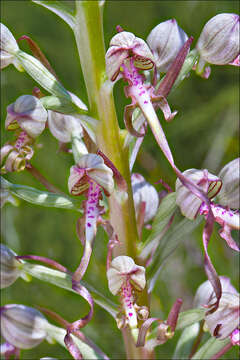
x=62, y=126
x=23, y=326
x=8, y=48
x=144, y=192
x=230, y=176
x=219, y=40
x=188, y=202
x=27, y=113
x=165, y=41
x=9, y=267
x=123, y=267
x=124, y=45
x=90, y=167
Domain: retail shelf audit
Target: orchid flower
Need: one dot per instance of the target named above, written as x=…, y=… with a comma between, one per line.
x=224, y=322
x=89, y=176
x=126, y=278
x=226, y=216
x=28, y=116
x=126, y=56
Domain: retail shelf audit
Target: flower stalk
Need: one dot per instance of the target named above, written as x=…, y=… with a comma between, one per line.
x=90, y=43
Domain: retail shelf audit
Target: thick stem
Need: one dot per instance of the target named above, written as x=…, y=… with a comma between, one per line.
x=90, y=42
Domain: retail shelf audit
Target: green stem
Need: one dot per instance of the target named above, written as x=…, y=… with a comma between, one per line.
x=90, y=42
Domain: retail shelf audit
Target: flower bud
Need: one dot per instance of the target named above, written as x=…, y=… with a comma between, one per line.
x=229, y=194
x=219, y=40
x=205, y=292
x=222, y=322
x=144, y=192
x=124, y=45
x=90, y=166
x=22, y=326
x=188, y=202
x=165, y=41
x=8, y=48
x=62, y=126
x=9, y=267
x=27, y=113
x=123, y=267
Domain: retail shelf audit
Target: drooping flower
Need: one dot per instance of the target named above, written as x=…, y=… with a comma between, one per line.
x=27, y=113
x=125, y=278
x=191, y=205
x=224, y=322
x=28, y=117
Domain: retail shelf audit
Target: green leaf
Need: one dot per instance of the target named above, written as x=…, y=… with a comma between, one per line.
x=59, y=8
x=64, y=281
x=165, y=211
x=185, y=342
x=42, y=198
x=189, y=317
x=41, y=75
x=210, y=348
x=179, y=230
x=88, y=352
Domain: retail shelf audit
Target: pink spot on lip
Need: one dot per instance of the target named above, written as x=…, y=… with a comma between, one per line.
x=145, y=102
x=130, y=314
x=89, y=225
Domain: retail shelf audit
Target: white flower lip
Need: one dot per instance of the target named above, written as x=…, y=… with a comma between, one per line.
x=122, y=267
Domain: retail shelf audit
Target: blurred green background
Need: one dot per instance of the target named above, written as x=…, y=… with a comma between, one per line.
x=203, y=134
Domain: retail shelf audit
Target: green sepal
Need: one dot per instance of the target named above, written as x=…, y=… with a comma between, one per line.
x=189, y=317
x=165, y=211
x=64, y=281
x=61, y=105
x=41, y=75
x=60, y=8
x=185, y=342
x=210, y=348
x=42, y=198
